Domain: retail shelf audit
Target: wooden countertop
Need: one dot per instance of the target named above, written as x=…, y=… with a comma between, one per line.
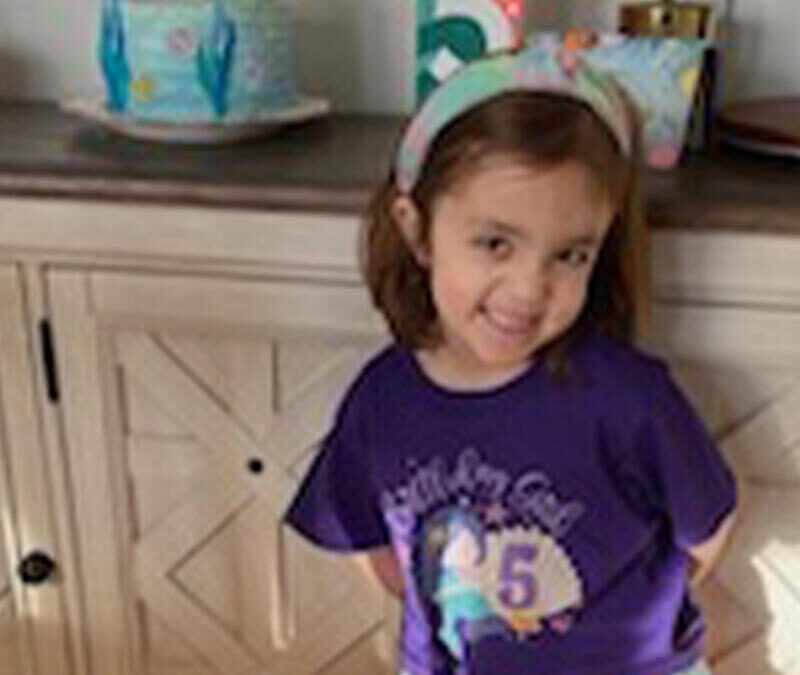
x=332, y=165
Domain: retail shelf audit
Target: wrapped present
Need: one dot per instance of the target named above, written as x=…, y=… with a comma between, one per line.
x=659, y=75
x=453, y=32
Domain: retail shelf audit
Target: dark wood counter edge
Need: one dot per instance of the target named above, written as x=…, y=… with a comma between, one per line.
x=332, y=166
x=736, y=217
x=662, y=212
x=184, y=193
x=714, y=217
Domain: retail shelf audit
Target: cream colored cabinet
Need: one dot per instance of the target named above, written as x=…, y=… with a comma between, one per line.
x=191, y=407
x=753, y=596
x=33, y=622
x=199, y=356
x=727, y=316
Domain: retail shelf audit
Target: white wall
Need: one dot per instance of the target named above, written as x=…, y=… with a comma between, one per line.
x=46, y=46
x=360, y=52
x=767, y=46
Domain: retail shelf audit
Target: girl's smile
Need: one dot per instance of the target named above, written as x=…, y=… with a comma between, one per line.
x=510, y=256
x=510, y=327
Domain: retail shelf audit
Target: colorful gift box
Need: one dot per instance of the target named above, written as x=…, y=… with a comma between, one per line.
x=453, y=32
x=659, y=75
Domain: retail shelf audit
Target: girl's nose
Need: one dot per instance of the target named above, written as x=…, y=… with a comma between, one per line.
x=530, y=286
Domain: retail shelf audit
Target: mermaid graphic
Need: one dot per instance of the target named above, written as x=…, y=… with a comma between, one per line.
x=452, y=548
x=513, y=583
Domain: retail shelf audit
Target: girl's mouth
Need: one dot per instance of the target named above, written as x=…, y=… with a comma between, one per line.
x=510, y=325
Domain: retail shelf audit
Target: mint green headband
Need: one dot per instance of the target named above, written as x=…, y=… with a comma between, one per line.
x=535, y=69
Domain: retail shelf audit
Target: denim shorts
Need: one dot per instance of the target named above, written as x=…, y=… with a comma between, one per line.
x=699, y=668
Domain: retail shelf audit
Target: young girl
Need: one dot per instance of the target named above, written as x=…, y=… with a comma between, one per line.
x=538, y=490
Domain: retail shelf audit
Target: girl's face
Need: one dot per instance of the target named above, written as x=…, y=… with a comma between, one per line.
x=510, y=254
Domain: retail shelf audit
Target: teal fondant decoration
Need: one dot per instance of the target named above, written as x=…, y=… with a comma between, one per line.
x=463, y=38
x=451, y=33
x=215, y=57
x=113, y=57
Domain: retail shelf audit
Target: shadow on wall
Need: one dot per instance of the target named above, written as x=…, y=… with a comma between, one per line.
x=359, y=54
x=16, y=75
x=339, y=79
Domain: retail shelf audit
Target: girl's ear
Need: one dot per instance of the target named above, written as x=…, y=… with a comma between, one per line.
x=407, y=218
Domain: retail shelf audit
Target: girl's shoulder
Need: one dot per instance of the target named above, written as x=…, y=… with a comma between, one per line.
x=611, y=365
x=378, y=372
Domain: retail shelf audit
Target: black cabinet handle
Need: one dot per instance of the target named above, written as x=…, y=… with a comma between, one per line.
x=36, y=568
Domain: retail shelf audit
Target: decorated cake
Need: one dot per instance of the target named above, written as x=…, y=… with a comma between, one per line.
x=197, y=61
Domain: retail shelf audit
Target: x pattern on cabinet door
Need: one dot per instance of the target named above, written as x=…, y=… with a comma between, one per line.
x=753, y=597
x=217, y=432
x=192, y=407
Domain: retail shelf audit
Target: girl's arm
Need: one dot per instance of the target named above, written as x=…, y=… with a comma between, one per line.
x=705, y=555
x=384, y=565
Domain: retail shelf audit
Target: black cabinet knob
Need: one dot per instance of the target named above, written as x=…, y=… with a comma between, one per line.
x=36, y=568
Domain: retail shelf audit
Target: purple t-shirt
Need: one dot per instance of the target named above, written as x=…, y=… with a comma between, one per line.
x=541, y=526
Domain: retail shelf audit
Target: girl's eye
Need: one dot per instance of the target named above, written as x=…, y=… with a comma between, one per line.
x=494, y=244
x=574, y=257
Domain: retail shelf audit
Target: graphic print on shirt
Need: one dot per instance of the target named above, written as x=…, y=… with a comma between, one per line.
x=483, y=550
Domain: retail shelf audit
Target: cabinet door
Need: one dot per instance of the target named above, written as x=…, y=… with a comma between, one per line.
x=33, y=631
x=191, y=409
x=741, y=368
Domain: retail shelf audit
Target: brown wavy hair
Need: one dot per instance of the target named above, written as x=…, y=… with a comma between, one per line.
x=541, y=130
